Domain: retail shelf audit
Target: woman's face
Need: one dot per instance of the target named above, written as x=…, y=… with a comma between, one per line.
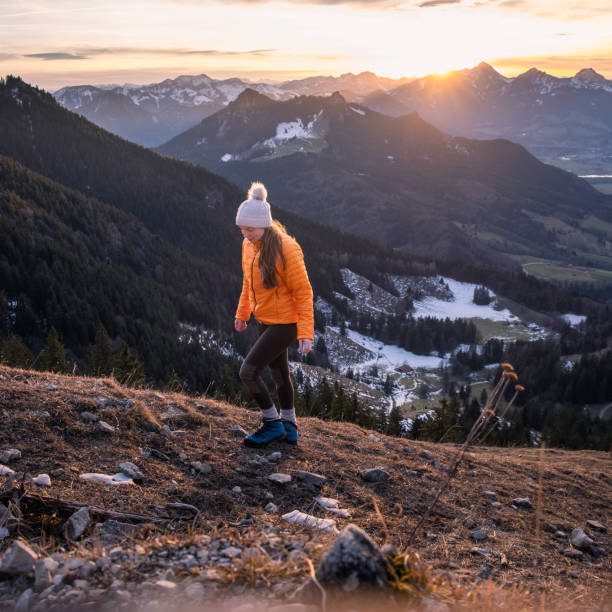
x=252, y=234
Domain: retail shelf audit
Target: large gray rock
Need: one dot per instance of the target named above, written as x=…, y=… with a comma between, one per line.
x=18, y=559
x=354, y=561
x=78, y=523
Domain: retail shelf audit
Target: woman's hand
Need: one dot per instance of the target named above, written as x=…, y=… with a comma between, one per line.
x=305, y=346
x=239, y=325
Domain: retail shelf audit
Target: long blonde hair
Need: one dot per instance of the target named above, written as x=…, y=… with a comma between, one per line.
x=271, y=249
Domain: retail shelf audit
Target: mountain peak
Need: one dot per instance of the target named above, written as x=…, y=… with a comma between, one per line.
x=250, y=98
x=588, y=75
x=336, y=98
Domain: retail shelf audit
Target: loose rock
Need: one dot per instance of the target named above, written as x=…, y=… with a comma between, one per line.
x=104, y=427
x=353, y=561
x=42, y=480
x=522, y=502
x=301, y=518
x=271, y=508
x=597, y=526
x=78, y=523
x=377, y=474
x=10, y=454
x=18, y=559
x=89, y=417
x=580, y=540
x=5, y=471
x=490, y=495
x=279, y=478
x=314, y=481
x=479, y=535
x=483, y=552
x=131, y=470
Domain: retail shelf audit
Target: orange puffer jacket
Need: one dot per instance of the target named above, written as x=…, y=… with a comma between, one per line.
x=290, y=302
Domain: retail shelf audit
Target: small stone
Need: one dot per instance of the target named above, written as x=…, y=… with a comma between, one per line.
x=479, y=535
x=23, y=603
x=406, y=449
x=42, y=575
x=104, y=427
x=374, y=437
x=269, y=495
x=377, y=474
x=279, y=478
x=201, y=468
x=272, y=508
x=312, y=480
x=485, y=571
x=231, y=551
x=238, y=432
x=5, y=471
x=274, y=457
x=431, y=537
x=10, y=454
x=425, y=454
x=560, y=534
x=470, y=523
x=574, y=575
x=236, y=489
x=172, y=490
x=42, y=480
x=78, y=523
x=131, y=469
x=89, y=417
x=597, y=526
x=580, y=540
x=572, y=553
x=327, y=502
x=4, y=533
x=183, y=457
x=490, y=495
x=522, y=502
x=50, y=387
x=483, y=552
x=167, y=432
x=497, y=505
x=18, y=559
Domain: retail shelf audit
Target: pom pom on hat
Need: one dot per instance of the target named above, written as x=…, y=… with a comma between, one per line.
x=257, y=191
x=255, y=211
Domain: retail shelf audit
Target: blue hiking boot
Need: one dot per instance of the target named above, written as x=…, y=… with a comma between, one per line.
x=291, y=431
x=269, y=432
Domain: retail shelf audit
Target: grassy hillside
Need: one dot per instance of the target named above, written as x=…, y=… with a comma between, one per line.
x=43, y=418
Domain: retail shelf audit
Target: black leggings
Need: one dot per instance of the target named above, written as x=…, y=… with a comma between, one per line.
x=270, y=350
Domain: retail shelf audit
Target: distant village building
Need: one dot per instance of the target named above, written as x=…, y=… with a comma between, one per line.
x=405, y=369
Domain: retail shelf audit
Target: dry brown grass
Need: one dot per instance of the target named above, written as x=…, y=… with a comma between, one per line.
x=569, y=487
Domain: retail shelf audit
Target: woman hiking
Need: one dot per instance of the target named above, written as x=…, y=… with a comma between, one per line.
x=276, y=289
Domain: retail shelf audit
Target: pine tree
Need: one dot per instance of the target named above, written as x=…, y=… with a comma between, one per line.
x=100, y=354
x=394, y=427
x=53, y=356
x=127, y=368
x=14, y=353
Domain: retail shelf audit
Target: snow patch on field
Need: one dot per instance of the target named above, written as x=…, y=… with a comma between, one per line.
x=462, y=306
x=573, y=319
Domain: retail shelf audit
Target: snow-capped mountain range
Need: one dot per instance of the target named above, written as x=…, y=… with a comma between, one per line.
x=152, y=114
x=563, y=121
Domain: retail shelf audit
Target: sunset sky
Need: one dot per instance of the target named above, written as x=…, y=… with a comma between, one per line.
x=64, y=42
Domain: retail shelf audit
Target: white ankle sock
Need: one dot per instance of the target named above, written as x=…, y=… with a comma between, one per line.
x=270, y=414
x=288, y=415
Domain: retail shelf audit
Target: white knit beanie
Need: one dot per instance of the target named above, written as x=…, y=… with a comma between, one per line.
x=255, y=210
